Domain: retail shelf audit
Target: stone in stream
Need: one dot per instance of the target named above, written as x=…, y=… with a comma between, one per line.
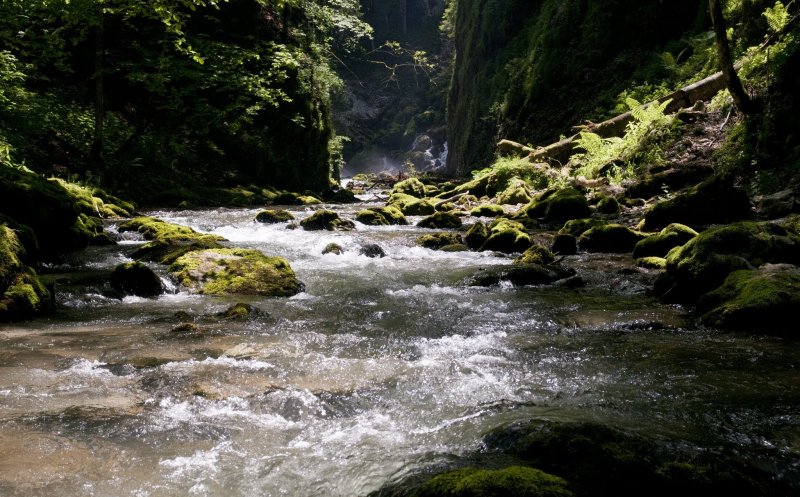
x=134, y=278
x=274, y=216
x=372, y=250
x=333, y=248
x=326, y=220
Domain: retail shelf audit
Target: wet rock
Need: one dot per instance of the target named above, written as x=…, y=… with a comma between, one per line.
x=516, y=481
x=765, y=299
x=564, y=244
x=333, y=248
x=558, y=206
x=274, y=216
x=778, y=204
x=520, y=275
x=608, y=205
x=134, y=278
x=576, y=227
x=487, y=210
x=411, y=186
x=660, y=244
x=476, y=236
x=715, y=200
x=168, y=241
x=536, y=255
x=703, y=264
x=381, y=216
x=455, y=247
x=238, y=312
x=517, y=192
x=291, y=198
x=441, y=220
x=326, y=220
x=437, y=241
x=340, y=196
x=372, y=250
x=184, y=328
x=651, y=263
x=610, y=238
x=507, y=236
x=235, y=271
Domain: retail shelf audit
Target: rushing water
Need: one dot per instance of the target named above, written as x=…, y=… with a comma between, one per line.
x=381, y=366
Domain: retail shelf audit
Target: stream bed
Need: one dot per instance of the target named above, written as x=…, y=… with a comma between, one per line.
x=380, y=367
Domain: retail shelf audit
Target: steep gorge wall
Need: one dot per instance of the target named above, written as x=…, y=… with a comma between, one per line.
x=528, y=70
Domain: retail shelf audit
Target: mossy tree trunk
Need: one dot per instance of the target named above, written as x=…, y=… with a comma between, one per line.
x=732, y=81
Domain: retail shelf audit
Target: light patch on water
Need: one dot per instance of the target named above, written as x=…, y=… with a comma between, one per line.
x=421, y=290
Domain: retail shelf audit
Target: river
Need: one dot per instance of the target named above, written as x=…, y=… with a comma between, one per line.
x=381, y=366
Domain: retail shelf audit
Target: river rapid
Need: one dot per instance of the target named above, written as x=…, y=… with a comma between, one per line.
x=379, y=368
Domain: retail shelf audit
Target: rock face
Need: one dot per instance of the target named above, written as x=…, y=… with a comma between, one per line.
x=715, y=200
x=326, y=220
x=235, y=271
x=134, y=278
x=765, y=299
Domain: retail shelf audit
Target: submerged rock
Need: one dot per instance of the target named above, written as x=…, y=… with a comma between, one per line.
x=274, y=216
x=326, y=220
x=134, y=278
x=235, y=271
x=765, y=299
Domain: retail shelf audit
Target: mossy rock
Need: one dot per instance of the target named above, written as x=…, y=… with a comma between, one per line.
x=381, y=216
x=291, y=198
x=610, y=238
x=703, y=263
x=134, y=278
x=517, y=192
x=411, y=186
x=446, y=207
x=235, y=271
x=436, y=241
x=168, y=241
x=608, y=205
x=333, y=248
x=411, y=206
x=326, y=220
x=520, y=275
x=476, y=236
x=456, y=247
x=487, y=210
x=508, y=237
x=22, y=294
x=238, y=312
x=765, y=300
x=559, y=206
x=713, y=201
x=341, y=196
x=514, y=481
x=564, y=244
x=651, y=263
x=577, y=227
x=660, y=244
x=536, y=255
x=441, y=220
x=274, y=216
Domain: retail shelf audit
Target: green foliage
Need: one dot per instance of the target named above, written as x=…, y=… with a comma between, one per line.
x=778, y=17
x=505, y=169
x=648, y=122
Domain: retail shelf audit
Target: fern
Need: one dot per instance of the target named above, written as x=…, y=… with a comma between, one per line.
x=777, y=17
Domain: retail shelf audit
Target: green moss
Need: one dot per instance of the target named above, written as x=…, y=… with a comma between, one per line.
x=536, y=255
x=558, y=206
x=168, y=241
x=507, y=236
x=651, y=263
x=411, y=186
x=237, y=312
x=326, y=220
x=476, y=235
x=517, y=192
x=705, y=262
x=765, y=299
x=274, y=216
x=608, y=205
x=516, y=481
x=436, y=241
x=381, y=216
x=411, y=206
x=487, y=210
x=22, y=292
x=333, y=248
x=441, y=220
x=235, y=271
x=610, y=238
x=660, y=244
x=577, y=227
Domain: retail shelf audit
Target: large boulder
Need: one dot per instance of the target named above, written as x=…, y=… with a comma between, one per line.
x=411, y=206
x=167, y=241
x=765, y=299
x=660, y=244
x=558, y=206
x=507, y=236
x=411, y=186
x=715, y=200
x=134, y=278
x=326, y=220
x=381, y=216
x=441, y=220
x=235, y=271
x=703, y=264
x=610, y=238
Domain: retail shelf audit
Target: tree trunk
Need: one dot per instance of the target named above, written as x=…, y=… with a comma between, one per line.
x=732, y=81
x=97, y=153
